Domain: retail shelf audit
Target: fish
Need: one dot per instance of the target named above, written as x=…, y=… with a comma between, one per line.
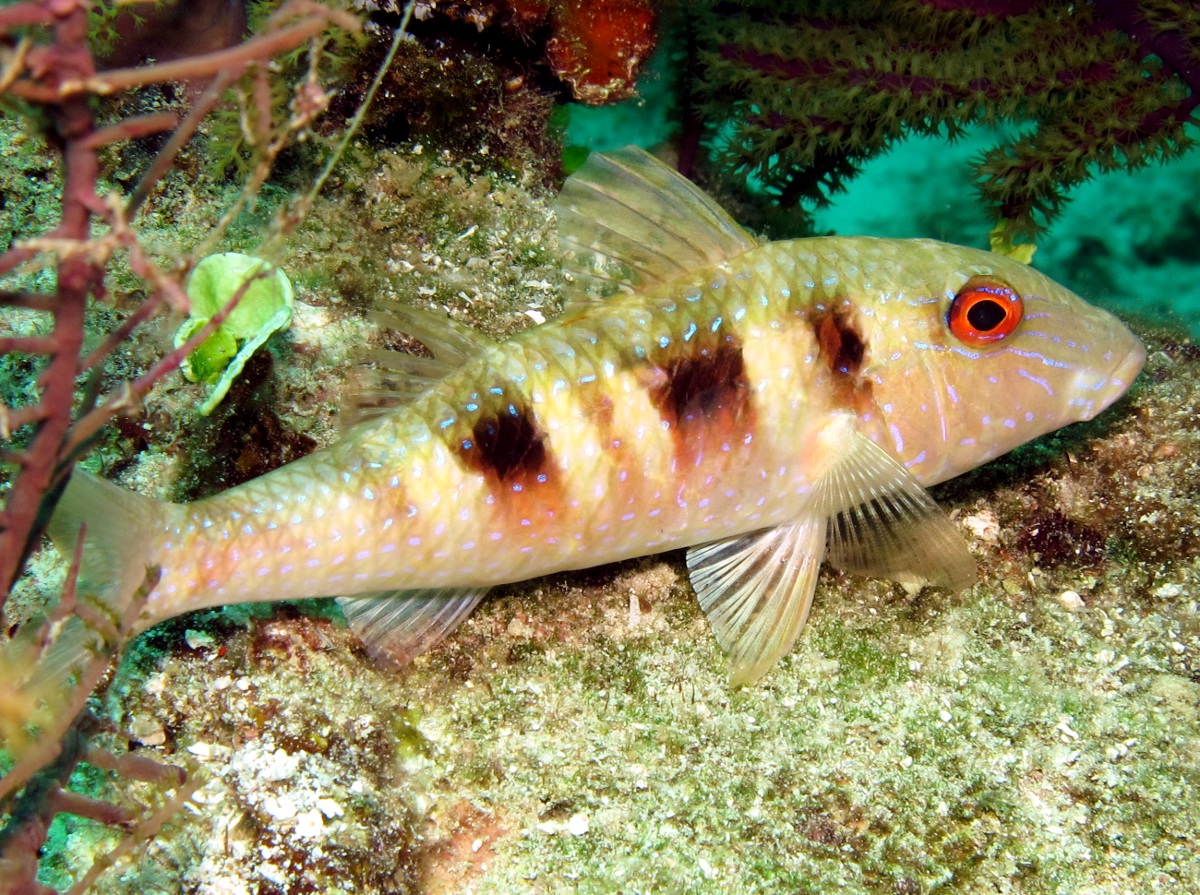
x=765, y=406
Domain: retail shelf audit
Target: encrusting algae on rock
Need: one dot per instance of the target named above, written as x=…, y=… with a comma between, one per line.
x=763, y=405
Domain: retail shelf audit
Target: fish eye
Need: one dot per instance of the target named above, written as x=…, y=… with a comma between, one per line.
x=984, y=311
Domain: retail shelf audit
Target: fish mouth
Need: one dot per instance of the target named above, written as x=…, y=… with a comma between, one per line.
x=1127, y=370
x=1124, y=373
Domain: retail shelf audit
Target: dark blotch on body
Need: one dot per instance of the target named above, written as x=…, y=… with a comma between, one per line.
x=508, y=445
x=842, y=349
x=704, y=397
x=840, y=344
x=699, y=386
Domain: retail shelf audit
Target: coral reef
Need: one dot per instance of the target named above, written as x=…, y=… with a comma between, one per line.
x=450, y=92
x=597, y=47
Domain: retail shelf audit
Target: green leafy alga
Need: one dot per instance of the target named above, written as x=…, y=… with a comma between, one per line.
x=265, y=308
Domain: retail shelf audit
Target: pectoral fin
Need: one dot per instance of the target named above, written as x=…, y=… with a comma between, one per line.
x=884, y=524
x=757, y=590
x=876, y=519
x=400, y=625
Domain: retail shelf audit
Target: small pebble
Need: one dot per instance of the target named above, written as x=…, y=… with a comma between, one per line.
x=1071, y=600
x=578, y=824
x=198, y=639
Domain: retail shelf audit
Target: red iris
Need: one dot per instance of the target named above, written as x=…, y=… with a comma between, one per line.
x=984, y=311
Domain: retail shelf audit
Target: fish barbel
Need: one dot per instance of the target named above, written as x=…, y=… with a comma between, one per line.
x=767, y=406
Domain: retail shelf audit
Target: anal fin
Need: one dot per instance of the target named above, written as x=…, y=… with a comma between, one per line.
x=397, y=626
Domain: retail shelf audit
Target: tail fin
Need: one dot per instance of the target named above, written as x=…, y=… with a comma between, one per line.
x=115, y=525
x=48, y=670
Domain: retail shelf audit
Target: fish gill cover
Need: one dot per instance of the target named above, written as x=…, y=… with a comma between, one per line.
x=578, y=731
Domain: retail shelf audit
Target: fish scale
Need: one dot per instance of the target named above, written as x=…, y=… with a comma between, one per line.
x=766, y=406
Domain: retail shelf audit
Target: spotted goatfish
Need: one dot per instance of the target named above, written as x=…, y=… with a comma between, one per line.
x=765, y=405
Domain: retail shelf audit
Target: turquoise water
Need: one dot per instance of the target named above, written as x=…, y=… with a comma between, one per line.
x=1128, y=241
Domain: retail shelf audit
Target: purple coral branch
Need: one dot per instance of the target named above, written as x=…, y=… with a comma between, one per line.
x=895, y=82
x=1169, y=46
x=1123, y=15
x=998, y=8
x=804, y=69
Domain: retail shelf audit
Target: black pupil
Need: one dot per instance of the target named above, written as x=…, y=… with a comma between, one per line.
x=985, y=315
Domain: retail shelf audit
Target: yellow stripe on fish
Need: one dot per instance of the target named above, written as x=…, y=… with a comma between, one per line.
x=766, y=406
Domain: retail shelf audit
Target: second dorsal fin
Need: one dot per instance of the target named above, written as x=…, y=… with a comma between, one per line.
x=391, y=378
x=627, y=221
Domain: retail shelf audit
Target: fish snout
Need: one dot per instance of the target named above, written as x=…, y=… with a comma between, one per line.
x=1127, y=370
x=1119, y=378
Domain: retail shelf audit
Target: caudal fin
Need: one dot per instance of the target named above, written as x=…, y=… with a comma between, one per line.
x=115, y=526
x=114, y=523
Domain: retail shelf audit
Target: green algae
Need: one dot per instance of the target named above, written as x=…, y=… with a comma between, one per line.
x=265, y=307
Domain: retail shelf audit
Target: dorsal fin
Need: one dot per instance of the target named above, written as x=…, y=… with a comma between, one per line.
x=627, y=221
x=390, y=378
